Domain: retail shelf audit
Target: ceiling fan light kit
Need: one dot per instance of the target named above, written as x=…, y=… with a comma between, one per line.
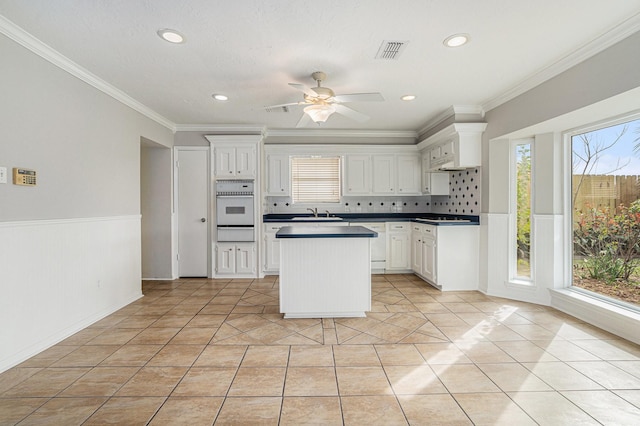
x=319, y=113
x=321, y=102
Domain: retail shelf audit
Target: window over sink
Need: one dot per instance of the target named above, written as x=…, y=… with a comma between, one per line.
x=315, y=179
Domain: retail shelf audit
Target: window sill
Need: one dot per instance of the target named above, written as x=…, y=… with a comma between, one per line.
x=609, y=316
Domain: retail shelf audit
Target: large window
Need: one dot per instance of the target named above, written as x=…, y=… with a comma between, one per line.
x=315, y=179
x=606, y=210
x=521, y=204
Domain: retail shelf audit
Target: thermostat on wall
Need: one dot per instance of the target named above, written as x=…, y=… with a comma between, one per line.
x=24, y=177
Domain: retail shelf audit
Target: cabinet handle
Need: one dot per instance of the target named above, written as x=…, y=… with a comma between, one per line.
x=230, y=171
x=400, y=189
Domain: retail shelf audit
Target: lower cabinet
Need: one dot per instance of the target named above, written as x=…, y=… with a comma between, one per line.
x=398, y=246
x=271, y=248
x=236, y=258
x=446, y=256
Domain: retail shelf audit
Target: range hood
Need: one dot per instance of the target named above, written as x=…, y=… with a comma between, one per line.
x=450, y=166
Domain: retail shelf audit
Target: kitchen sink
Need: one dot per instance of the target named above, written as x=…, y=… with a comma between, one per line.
x=312, y=218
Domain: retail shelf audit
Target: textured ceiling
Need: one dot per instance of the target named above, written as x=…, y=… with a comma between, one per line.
x=250, y=49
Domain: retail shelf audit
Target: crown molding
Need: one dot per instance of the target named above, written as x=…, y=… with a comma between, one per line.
x=604, y=41
x=254, y=129
x=341, y=133
x=46, y=52
x=451, y=112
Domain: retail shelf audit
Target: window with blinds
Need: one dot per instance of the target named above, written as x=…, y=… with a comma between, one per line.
x=315, y=179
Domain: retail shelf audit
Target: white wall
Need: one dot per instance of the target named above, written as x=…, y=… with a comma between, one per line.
x=85, y=147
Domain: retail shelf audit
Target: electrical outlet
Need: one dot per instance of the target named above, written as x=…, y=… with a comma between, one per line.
x=3, y=175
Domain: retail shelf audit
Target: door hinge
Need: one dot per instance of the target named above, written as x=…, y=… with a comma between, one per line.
x=178, y=256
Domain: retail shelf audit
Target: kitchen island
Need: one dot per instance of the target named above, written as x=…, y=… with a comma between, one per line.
x=325, y=272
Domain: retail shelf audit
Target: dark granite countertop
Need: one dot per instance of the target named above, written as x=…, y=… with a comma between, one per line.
x=325, y=232
x=429, y=218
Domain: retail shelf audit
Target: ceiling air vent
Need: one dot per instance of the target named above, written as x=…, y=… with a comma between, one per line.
x=391, y=49
x=277, y=109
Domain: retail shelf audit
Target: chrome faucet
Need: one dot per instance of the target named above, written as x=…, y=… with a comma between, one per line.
x=327, y=212
x=314, y=211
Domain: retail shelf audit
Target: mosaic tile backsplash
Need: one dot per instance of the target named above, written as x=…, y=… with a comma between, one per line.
x=463, y=198
x=464, y=195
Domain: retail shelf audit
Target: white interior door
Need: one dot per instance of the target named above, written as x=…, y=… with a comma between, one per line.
x=193, y=211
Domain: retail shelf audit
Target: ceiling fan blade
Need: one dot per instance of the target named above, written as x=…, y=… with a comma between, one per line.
x=351, y=113
x=284, y=105
x=304, y=120
x=303, y=88
x=359, y=97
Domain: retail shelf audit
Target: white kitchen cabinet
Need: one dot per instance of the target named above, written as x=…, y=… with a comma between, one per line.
x=416, y=248
x=408, y=174
x=433, y=183
x=398, y=246
x=236, y=259
x=357, y=175
x=235, y=162
x=271, y=249
x=384, y=174
x=454, y=147
x=446, y=256
x=278, y=175
x=429, y=254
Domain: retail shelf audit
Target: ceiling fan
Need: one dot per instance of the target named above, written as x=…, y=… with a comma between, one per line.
x=321, y=102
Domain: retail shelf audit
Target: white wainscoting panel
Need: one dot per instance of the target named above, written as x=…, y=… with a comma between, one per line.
x=59, y=276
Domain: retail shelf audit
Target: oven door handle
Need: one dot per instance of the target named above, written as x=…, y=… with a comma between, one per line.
x=234, y=196
x=234, y=226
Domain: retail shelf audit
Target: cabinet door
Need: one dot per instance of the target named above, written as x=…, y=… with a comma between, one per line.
x=271, y=253
x=408, y=167
x=426, y=174
x=225, y=162
x=446, y=150
x=245, y=162
x=429, y=259
x=245, y=258
x=384, y=180
x=398, y=251
x=278, y=182
x=225, y=258
x=357, y=175
x=416, y=252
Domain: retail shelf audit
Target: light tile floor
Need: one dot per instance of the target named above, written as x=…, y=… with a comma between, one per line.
x=202, y=352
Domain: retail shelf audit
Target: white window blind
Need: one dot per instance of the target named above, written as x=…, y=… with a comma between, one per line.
x=315, y=179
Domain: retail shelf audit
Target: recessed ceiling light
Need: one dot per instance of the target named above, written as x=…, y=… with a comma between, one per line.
x=456, y=40
x=219, y=97
x=408, y=97
x=172, y=36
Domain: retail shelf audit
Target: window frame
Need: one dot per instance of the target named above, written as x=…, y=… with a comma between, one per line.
x=516, y=280
x=339, y=159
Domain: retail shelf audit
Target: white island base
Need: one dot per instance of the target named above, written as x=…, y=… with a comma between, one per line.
x=325, y=277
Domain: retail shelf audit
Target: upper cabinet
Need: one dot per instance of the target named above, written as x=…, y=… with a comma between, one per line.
x=382, y=174
x=408, y=173
x=357, y=175
x=234, y=156
x=458, y=146
x=235, y=162
x=278, y=177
